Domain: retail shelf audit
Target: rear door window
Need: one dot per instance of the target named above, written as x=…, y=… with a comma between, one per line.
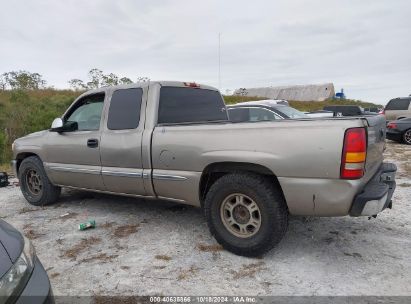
x=398, y=104
x=124, y=110
x=190, y=105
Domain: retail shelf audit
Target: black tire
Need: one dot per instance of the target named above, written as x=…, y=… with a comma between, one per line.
x=42, y=195
x=406, y=137
x=271, y=204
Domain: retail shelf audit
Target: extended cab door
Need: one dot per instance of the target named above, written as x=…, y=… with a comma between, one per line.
x=121, y=160
x=182, y=112
x=73, y=158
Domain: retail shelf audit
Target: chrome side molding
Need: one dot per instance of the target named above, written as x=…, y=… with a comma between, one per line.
x=169, y=177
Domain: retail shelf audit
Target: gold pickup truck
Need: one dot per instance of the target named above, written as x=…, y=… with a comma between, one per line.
x=174, y=141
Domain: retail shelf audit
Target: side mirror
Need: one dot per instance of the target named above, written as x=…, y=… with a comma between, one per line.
x=57, y=123
x=59, y=126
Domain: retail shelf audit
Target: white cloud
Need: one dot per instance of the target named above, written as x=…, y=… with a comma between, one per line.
x=362, y=46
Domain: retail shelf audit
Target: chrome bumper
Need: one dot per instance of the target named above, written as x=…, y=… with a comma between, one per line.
x=377, y=193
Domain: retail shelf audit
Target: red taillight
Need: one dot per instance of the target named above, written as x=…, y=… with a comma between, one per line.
x=382, y=112
x=392, y=125
x=354, y=154
x=191, y=84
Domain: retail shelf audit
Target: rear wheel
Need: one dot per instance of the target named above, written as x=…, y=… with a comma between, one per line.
x=246, y=213
x=407, y=137
x=34, y=183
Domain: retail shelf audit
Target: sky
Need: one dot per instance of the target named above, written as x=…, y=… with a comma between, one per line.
x=361, y=46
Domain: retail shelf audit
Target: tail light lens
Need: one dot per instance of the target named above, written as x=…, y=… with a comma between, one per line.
x=382, y=112
x=392, y=125
x=354, y=154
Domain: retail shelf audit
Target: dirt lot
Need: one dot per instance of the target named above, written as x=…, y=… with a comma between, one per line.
x=143, y=247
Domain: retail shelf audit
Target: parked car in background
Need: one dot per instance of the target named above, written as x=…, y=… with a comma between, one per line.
x=373, y=110
x=173, y=140
x=262, y=110
x=400, y=130
x=398, y=108
x=22, y=277
x=348, y=110
x=320, y=113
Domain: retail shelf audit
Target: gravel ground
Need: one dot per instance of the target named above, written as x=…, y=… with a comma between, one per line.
x=143, y=247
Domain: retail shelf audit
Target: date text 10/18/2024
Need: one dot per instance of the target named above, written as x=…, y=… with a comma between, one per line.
x=203, y=299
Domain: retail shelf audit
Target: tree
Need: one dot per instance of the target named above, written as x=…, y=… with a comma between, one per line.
x=77, y=84
x=125, y=80
x=3, y=82
x=110, y=79
x=96, y=78
x=23, y=80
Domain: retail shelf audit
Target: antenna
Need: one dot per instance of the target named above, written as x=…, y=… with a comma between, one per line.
x=219, y=61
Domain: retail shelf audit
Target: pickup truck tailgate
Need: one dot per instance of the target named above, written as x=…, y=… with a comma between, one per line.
x=376, y=127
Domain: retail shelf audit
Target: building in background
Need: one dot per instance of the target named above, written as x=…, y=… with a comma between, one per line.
x=310, y=92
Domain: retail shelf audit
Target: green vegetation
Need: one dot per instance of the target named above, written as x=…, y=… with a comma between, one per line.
x=23, y=112
x=26, y=106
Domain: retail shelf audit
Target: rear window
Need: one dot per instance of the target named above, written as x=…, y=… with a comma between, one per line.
x=238, y=114
x=398, y=104
x=291, y=112
x=187, y=105
x=124, y=110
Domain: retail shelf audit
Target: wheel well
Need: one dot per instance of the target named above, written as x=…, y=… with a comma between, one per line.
x=216, y=170
x=22, y=156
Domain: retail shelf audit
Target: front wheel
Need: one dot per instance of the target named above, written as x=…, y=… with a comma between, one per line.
x=34, y=183
x=407, y=137
x=246, y=213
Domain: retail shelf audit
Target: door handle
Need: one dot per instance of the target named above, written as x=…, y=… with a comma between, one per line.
x=92, y=143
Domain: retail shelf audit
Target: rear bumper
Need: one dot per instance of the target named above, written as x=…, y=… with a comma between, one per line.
x=377, y=193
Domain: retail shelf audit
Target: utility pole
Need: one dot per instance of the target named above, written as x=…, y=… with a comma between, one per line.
x=219, y=61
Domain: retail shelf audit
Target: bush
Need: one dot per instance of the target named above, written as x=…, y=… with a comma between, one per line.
x=2, y=147
x=24, y=112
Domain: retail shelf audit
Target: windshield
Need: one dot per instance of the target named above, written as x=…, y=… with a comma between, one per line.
x=291, y=112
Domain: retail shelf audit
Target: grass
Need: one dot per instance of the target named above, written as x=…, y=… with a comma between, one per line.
x=5, y=168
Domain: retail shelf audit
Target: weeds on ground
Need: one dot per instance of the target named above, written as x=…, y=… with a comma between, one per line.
x=125, y=231
x=163, y=257
x=80, y=247
x=209, y=248
x=248, y=270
